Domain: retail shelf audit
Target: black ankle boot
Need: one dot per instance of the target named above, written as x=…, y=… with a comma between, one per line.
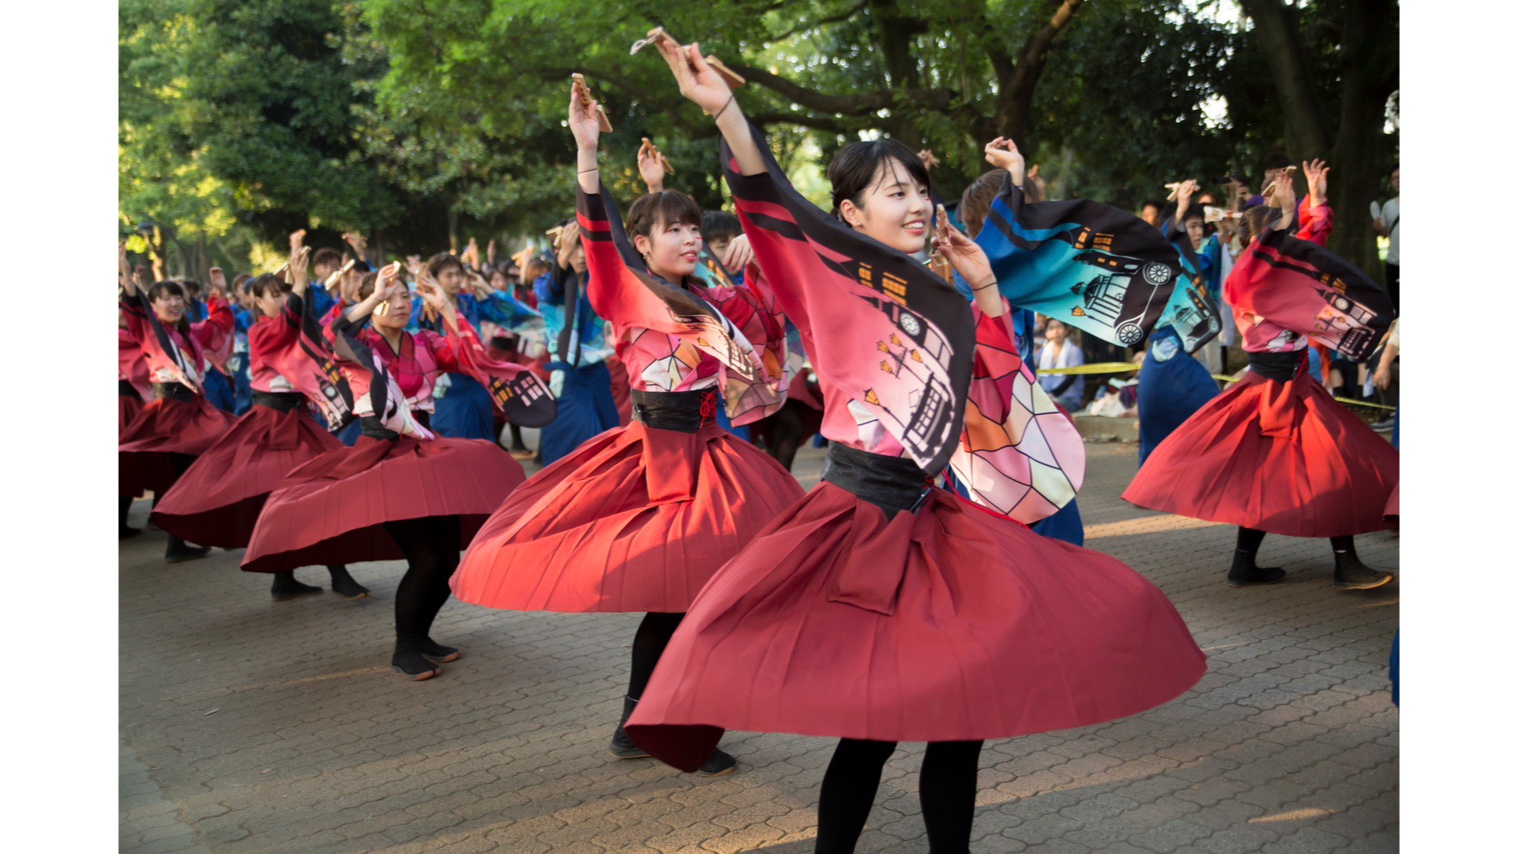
x=179, y=552
x=718, y=764
x=1244, y=573
x=409, y=662
x=623, y=747
x=285, y=587
x=436, y=652
x=344, y=584
x=1351, y=574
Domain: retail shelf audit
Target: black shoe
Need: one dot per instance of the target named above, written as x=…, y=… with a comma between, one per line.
x=344, y=584
x=1251, y=575
x=717, y=765
x=185, y=553
x=414, y=666
x=285, y=587
x=1351, y=574
x=126, y=532
x=436, y=652
x=621, y=746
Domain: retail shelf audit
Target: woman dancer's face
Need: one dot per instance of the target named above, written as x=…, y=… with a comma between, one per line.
x=673, y=249
x=399, y=314
x=894, y=210
x=169, y=307
x=271, y=304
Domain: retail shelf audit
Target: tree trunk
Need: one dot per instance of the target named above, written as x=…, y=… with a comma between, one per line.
x=1360, y=155
x=1280, y=42
x=1369, y=68
x=1014, y=100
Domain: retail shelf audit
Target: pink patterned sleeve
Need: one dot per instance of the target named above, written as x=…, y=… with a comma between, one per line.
x=1019, y=454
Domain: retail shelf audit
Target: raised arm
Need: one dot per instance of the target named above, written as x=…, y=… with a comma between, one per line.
x=970, y=262
x=704, y=87
x=1002, y=153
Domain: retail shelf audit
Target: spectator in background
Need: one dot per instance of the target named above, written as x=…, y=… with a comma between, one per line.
x=1385, y=223
x=1060, y=351
x=1151, y=213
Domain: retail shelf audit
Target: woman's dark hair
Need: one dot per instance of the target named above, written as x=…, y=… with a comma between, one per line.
x=719, y=225
x=267, y=285
x=977, y=199
x=664, y=208
x=169, y=287
x=1194, y=211
x=1276, y=160
x=852, y=171
x=442, y=261
x=366, y=284
x=240, y=280
x=1254, y=222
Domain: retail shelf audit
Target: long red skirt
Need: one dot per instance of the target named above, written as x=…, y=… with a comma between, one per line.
x=1393, y=512
x=127, y=408
x=950, y=624
x=217, y=500
x=635, y=519
x=333, y=509
x=164, y=429
x=1280, y=457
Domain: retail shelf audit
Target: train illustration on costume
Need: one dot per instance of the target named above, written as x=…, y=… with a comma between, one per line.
x=917, y=356
x=1343, y=320
x=1198, y=321
x=1106, y=298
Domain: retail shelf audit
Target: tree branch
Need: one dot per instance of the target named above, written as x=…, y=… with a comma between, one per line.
x=1016, y=95
x=821, y=22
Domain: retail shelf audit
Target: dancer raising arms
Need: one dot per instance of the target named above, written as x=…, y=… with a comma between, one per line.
x=1275, y=453
x=218, y=499
x=400, y=492
x=179, y=424
x=879, y=609
x=638, y=518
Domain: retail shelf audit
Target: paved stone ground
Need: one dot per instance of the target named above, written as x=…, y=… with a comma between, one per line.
x=251, y=726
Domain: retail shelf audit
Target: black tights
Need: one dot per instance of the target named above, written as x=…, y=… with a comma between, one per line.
x=945, y=788
x=648, y=644
x=1250, y=539
x=431, y=547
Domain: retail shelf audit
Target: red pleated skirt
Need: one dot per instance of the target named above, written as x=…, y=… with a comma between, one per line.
x=1280, y=457
x=1393, y=512
x=127, y=408
x=950, y=624
x=635, y=519
x=333, y=509
x=164, y=428
x=218, y=499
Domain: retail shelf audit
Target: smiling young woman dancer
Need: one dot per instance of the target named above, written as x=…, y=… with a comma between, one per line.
x=179, y=424
x=638, y=518
x=218, y=499
x=400, y=491
x=881, y=609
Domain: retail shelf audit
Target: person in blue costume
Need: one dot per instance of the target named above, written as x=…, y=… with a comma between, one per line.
x=465, y=410
x=577, y=346
x=327, y=265
x=1173, y=384
x=1066, y=525
x=243, y=317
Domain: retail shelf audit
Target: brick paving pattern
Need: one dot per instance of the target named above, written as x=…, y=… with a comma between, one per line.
x=253, y=726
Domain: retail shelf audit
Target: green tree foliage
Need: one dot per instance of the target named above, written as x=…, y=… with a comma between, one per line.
x=435, y=120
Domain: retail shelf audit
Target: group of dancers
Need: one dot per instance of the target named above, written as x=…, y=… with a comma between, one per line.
x=877, y=608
